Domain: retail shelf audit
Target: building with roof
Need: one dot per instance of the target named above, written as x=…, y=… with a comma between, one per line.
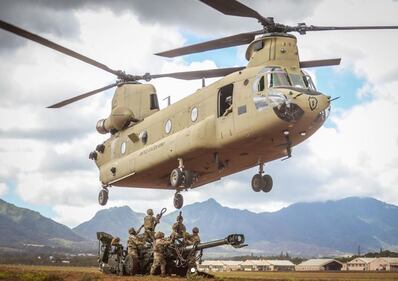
x=255, y=265
x=360, y=264
x=267, y=265
x=247, y=265
x=384, y=264
x=220, y=265
x=281, y=265
x=319, y=265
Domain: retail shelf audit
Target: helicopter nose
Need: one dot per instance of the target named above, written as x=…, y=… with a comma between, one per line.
x=316, y=107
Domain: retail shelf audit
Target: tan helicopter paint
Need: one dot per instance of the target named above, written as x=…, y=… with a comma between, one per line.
x=211, y=146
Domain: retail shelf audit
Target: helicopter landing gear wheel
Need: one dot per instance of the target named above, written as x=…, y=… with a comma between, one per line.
x=268, y=183
x=257, y=183
x=178, y=201
x=176, y=178
x=189, y=177
x=103, y=196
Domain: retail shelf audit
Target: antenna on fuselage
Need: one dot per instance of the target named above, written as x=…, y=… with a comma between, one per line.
x=168, y=100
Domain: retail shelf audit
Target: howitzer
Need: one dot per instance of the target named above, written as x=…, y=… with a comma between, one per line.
x=235, y=240
x=180, y=259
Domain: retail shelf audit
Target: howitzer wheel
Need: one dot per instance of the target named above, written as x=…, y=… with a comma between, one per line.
x=131, y=265
x=178, y=201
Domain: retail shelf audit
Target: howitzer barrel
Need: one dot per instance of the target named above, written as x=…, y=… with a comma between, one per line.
x=235, y=240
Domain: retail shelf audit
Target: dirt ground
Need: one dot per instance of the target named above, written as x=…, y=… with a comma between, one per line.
x=54, y=273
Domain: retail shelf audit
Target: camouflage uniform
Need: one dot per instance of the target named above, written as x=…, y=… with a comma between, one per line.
x=134, y=243
x=117, y=247
x=149, y=225
x=159, y=248
x=179, y=229
x=193, y=238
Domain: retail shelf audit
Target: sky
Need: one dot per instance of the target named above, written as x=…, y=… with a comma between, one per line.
x=44, y=152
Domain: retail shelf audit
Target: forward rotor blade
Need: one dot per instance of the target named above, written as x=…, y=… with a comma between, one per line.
x=79, y=97
x=316, y=63
x=235, y=8
x=45, y=42
x=303, y=28
x=230, y=41
x=199, y=74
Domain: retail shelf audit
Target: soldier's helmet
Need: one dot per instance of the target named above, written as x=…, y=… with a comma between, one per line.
x=149, y=212
x=159, y=235
x=195, y=230
x=132, y=231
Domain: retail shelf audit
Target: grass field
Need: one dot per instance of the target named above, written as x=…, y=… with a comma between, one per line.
x=54, y=273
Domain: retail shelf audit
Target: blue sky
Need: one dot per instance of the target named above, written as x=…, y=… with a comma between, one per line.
x=13, y=198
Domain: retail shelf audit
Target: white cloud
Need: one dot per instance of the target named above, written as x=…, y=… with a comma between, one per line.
x=3, y=188
x=47, y=153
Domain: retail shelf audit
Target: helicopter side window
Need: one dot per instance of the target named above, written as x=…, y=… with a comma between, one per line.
x=260, y=85
x=225, y=100
x=154, y=103
x=257, y=46
x=308, y=82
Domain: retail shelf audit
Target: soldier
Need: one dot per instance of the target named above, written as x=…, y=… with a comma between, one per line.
x=117, y=247
x=193, y=238
x=159, y=248
x=134, y=244
x=228, y=103
x=149, y=225
x=179, y=230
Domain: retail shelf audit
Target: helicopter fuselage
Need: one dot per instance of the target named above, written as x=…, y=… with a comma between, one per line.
x=249, y=117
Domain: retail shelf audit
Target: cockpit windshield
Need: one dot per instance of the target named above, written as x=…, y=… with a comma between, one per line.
x=277, y=77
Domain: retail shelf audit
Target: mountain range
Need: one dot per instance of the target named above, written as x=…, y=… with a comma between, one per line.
x=21, y=227
x=306, y=229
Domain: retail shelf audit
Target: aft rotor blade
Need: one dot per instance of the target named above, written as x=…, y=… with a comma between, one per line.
x=235, y=8
x=45, y=42
x=316, y=63
x=199, y=74
x=230, y=41
x=82, y=96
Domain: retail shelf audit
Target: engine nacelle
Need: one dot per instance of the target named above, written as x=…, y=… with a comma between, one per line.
x=131, y=102
x=119, y=119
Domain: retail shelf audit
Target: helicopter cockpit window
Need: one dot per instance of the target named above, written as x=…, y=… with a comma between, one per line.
x=257, y=46
x=278, y=78
x=154, y=103
x=297, y=81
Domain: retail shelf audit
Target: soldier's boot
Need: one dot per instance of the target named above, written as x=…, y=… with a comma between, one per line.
x=163, y=270
x=153, y=269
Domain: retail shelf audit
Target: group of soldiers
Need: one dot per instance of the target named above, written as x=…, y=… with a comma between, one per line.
x=158, y=240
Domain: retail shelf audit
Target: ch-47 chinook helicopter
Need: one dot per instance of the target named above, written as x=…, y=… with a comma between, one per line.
x=253, y=115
